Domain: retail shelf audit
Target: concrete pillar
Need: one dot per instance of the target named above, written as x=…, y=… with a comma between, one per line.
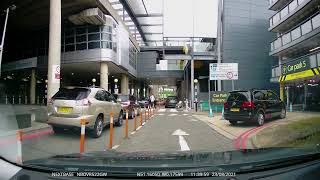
x=124, y=84
x=33, y=82
x=288, y=98
x=192, y=83
x=104, y=74
x=54, y=57
x=282, y=91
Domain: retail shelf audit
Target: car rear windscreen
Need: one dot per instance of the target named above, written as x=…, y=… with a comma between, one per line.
x=239, y=96
x=172, y=97
x=72, y=94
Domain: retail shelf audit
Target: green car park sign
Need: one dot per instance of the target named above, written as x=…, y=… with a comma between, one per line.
x=219, y=97
x=295, y=66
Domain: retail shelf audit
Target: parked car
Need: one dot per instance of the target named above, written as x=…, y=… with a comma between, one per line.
x=128, y=102
x=171, y=101
x=69, y=105
x=254, y=106
x=143, y=102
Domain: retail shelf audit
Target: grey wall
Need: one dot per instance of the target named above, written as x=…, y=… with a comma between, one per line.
x=147, y=67
x=246, y=41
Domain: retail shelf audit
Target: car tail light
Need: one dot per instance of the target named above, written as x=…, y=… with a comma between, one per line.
x=248, y=104
x=84, y=102
x=226, y=105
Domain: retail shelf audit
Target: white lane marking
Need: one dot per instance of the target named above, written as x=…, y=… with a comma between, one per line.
x=183, y=143
x=139, y=128
x=173, y=110
x=160, y=114
x=133, y=132
x=172, y=114
x=193, y=120
x=162, y=110
x=143, y=123
x=185, y=114
x=115, y=147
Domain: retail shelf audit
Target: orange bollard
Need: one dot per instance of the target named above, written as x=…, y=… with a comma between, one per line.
x=135, y=120
x=141, y=114
x=127, y=122
x=82, y=136
x=145, y=115
x=111, y=131
x=19, y=146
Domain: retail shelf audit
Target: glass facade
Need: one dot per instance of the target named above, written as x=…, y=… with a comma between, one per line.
x=303, y=29
x=89, y=37
x=132, y=55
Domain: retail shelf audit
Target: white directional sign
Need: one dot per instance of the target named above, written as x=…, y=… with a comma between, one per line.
x=223, y=71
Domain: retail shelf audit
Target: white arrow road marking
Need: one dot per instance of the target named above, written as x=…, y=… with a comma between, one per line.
x=183, y=143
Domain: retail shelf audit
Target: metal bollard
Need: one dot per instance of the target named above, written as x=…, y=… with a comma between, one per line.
x=25, y=100
x=19, y=99
x=83, y=133
x=145, y=115
x=12, y=99
x=19, y=146
x=6, y=99
x=135, y=120
x=127, y=122
x=141, y=114
x=43, y=100
x=111, y=131
x=38, y=100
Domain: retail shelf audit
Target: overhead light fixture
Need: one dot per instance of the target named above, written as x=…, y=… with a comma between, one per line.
x=24, y=79
x=9, y=77
x=316, y=48
x=72, y=74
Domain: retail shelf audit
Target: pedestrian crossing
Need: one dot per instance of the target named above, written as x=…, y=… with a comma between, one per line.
x=171, y=110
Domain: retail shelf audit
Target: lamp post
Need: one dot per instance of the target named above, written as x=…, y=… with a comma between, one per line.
x=94, y=82
x=12, y=7
x=196, y=93
x=115, y=85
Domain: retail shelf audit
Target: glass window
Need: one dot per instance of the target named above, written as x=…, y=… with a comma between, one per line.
x=93, y=37
x=286, y=38
x=69, y=32
x=92, y=29
x=81, y=46
x=81, y=30
x=313, y=61
x=271, y=46
x=270, y=21
x=259, y=95
x=106, y=28
x=277, y=43
x=105, y=44
x=276, y=18
x=306, y=27
x=100, y=96
x=69, y=48
x=300, y=1
x=114, y=47
x=271, y=96
x=94, y=45
x=293, y=5
x=70, y=40
x=318, y=59
x=239, y=96
x=284, y=12
x=81, y=38
x=296, y=33
x=316, y=21
x=107, y=37
x=72, y=94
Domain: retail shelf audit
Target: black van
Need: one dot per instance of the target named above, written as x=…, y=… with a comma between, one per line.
x=254, y=106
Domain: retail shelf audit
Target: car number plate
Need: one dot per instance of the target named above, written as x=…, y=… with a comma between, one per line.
x=235, y=109
x=64, y=110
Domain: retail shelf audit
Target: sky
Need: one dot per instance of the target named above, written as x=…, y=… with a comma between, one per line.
x=190, y=18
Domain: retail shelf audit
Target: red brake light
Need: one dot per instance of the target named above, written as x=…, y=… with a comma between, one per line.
x=248, y=104
x=226, y=105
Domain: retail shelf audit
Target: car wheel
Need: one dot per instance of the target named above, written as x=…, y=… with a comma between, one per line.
x=283, y=113
x=57, y=129
x=233, y=122
x=260, y=118
x=120, y=119
x=98, y=127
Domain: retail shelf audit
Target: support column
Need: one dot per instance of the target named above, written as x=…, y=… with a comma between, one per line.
x=124, y=84
x=305, y=96
x=282, y=91
x=104, y=74
x=288, y=98
x=33, y=82
x=192, y=83
x=54, y=57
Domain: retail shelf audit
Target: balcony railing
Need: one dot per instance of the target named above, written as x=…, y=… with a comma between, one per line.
x=305, y=28
x=272, y=2
x=285, y=11
x=312, y=58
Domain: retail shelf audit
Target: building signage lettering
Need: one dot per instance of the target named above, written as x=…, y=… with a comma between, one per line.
x=219, y=97
x=293, y=67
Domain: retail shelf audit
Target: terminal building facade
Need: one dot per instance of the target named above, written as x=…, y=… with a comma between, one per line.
x=296, y=23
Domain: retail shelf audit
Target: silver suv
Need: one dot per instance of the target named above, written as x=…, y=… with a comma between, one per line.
x=69, y=105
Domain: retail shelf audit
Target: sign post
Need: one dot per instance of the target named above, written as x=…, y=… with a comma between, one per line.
x=224, y=71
